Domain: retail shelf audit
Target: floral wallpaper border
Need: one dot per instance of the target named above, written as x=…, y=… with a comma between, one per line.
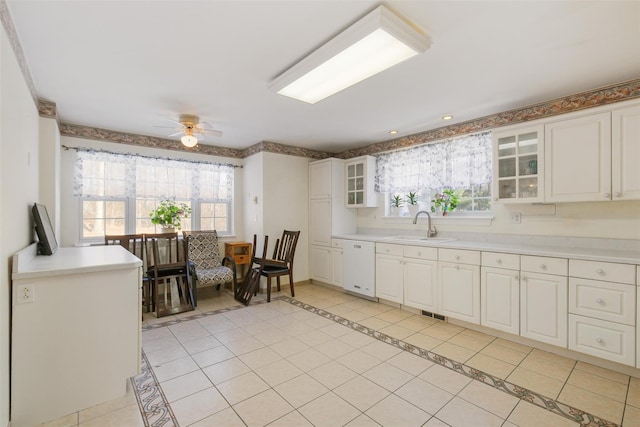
x=603, y=96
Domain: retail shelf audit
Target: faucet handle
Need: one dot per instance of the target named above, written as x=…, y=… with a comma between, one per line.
x=432, y=233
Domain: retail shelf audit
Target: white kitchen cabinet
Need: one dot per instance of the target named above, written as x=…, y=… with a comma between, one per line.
x=578, y=159
x=500, y=292
x=359, y=182
x=420, y=276
x=77, y=342
x=320, y=229
x=543, y=307
x=459, y=284
x=320, y=180
x=625, y=146
x=389, y=272
x=337, y=254
x=321, y=263
x=607, y=340
x=327, y=216
x=518, y=156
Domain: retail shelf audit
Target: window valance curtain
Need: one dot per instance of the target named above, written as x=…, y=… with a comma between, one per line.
x=457, y=163
x=115, y=175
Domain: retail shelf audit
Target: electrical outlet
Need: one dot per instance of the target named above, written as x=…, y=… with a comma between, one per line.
x=25, y=294
x=516, y=217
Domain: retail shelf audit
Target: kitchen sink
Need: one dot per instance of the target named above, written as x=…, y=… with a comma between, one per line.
x=434, y=240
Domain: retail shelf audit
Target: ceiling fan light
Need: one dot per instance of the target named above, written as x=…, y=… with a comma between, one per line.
x=189, y=141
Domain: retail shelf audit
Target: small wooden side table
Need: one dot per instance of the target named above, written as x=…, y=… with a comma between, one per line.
x=240, y=252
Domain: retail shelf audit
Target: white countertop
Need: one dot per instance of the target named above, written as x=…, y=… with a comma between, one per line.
x=74, y=260
x=589, y=254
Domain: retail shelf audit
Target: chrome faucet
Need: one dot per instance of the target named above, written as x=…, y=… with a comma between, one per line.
x=430, y=232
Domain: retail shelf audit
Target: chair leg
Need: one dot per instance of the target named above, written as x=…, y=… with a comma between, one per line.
x=278, y=281
x=268, y=288
x=291, y=283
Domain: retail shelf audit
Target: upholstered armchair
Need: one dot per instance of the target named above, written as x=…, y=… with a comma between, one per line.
x=203, y=253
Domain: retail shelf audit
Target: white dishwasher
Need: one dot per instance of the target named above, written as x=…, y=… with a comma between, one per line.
x=359, y=274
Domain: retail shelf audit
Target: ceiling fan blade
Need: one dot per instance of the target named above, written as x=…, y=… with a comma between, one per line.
x=203, y=131
x=176, y=134
x=176, y=122
x=167, y=127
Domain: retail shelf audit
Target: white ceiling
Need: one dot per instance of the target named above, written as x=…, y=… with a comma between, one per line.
x=130, y=65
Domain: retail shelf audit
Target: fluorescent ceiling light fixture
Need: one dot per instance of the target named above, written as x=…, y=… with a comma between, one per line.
x=380, y=40
x=447, y=117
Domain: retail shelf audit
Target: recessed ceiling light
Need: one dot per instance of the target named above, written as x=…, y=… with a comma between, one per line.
x=447, y=117
x=393, y=132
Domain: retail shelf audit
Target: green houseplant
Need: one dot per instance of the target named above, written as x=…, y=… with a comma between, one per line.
x=169, y=214
x=447, y=200
x=412, y=201
x=396, y=204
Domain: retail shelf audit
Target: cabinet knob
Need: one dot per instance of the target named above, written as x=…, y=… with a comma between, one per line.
x=599, y=340
x=516, y=277
x=606, y=195
x=495, y=199
x=457, y=257
x=600, y=301
x=616, y=194
x=499, y=261
x=457, y=267
x=419, y=253
x=542, y=267
x=600, y=271
x=524, y=278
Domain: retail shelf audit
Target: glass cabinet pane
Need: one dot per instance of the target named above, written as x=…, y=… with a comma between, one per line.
x=351, y=171
x=359, y=183
x=508, y=189
x=351, y=198
x=528, y=143
x=359, y=198
x=360, y=169
x=528, y=165
x=507, y=146
x=507, y=167
x=351, y=184
x=528, y=188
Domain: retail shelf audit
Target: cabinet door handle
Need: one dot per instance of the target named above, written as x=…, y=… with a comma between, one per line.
x=419, y=253
x=616, y=194
x=606, y=195
x=458, y=267
x=516, y=277
x=542, y=267
x=457, y=257
x=600, y=271
x=357, y=246
x=600, y=301
x=524, y=278
x=599, y=340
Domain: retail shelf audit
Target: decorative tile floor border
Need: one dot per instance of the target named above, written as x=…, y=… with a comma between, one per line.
x=156, y=410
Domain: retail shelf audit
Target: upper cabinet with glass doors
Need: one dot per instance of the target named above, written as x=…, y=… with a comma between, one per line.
x=518, y=156
x=360, y=173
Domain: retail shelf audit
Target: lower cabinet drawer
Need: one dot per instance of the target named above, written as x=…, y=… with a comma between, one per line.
x=603, y=300
x=607, y=340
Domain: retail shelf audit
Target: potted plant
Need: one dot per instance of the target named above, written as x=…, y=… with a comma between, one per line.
x=446, y=201
x=396, y=204
x=169, y=214
x=412, y=200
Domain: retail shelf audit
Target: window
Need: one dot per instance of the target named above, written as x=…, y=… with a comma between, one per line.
x=118, y=191
x=462, y=163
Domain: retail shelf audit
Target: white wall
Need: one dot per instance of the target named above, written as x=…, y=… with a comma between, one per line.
x=70, y=207
x=286, y=204
x=19, y=177
x=50, y=169
x=615, y=220
x=280, y=183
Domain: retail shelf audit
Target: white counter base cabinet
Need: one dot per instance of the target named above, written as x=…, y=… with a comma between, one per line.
x=607, y=340
x=420, y=282
x=459, y=284
x=321, y=261
x=78, y=342
x=389, y=273
x=543, y=308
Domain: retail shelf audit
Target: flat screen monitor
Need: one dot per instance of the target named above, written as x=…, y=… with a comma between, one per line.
x=47, y=244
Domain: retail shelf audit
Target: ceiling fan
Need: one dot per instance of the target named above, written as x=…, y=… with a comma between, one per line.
x=189, y=126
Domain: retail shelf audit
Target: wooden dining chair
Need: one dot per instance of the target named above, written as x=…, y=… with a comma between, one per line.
x=168, y=271
x=248, y=288
x=134, y=243
x=281, y=263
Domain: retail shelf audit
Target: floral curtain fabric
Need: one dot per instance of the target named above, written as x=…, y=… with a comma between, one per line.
x=456, y=163
x=114, y=175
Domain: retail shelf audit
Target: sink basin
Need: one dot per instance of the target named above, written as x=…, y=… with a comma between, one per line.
x=434, y=240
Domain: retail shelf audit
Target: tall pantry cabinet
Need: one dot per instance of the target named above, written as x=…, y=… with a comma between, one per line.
x=328, y=216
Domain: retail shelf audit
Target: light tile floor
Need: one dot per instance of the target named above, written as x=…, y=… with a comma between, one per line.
x=282, y=364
